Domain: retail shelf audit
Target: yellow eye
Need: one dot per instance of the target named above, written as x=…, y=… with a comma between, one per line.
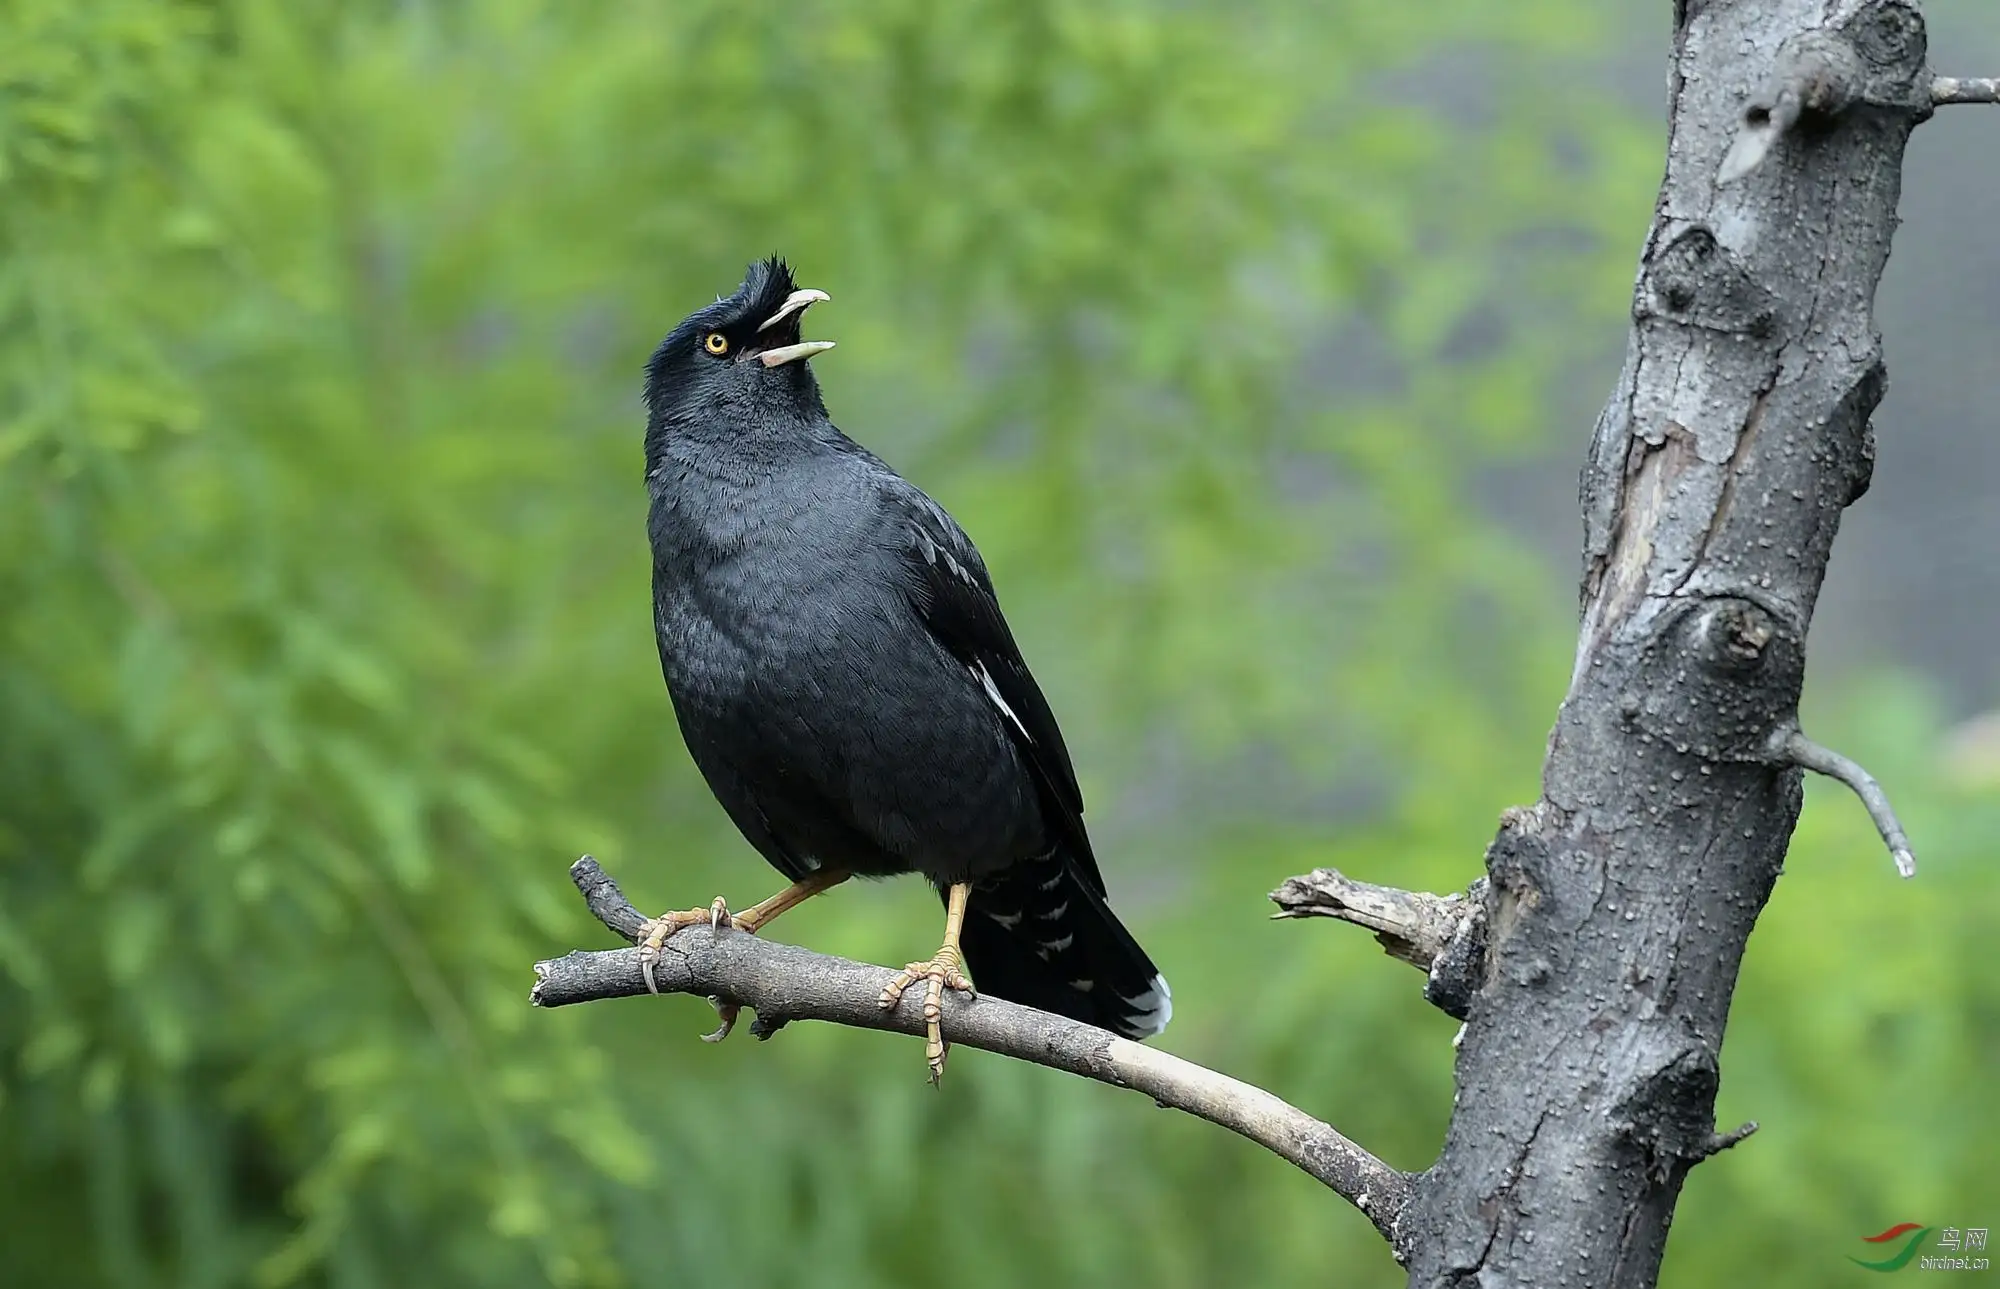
x=716, y=343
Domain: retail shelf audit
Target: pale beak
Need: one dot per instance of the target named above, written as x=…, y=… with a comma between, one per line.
x=794, y=302
x=792, y=353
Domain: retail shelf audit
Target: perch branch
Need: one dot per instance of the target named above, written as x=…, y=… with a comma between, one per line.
x=784, y=983
x=1965, y=89
x=1801, y=751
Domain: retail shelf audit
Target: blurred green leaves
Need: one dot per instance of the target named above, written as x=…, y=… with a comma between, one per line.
x=325, y=635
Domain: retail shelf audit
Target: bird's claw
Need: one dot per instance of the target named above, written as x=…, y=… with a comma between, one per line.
x=728, y=1013
x=662, y=928
x=942, y=972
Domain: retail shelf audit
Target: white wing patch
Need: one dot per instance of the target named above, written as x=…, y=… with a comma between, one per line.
x=940, y=556
x=993, y=692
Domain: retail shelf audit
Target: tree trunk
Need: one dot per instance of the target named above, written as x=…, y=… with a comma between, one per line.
x=1619, y=905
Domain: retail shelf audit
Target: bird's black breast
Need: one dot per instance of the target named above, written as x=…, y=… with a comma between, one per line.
x=832, y=725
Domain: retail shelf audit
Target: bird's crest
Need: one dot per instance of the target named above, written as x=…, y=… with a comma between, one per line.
x=766, y=285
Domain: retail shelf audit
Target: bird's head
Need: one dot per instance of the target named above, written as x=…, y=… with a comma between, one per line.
x=740, y=355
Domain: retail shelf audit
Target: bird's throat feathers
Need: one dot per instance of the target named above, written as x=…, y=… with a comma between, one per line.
x=735, y=434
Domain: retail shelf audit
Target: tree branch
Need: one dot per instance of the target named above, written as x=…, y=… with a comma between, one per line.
x=1947, y=90
x=784, y=983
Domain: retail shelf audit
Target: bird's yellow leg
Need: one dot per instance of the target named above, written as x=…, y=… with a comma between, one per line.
x=943, y=972
x=791, y=897
x=662, y=928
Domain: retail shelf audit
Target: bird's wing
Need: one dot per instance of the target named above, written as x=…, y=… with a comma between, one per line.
x=952, y=593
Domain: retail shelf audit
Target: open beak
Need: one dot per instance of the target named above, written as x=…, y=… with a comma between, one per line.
x=792, y=353
x=794, y=303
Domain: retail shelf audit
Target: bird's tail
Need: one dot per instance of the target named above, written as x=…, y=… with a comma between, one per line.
x=1041, y=936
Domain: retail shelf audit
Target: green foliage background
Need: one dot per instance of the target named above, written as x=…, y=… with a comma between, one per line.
x=324, y=630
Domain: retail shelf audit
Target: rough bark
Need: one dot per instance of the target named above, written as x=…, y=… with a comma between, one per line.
x=1619, y=904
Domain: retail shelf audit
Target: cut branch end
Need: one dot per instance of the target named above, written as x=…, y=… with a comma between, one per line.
x=1414, y=926
x=1443, y=936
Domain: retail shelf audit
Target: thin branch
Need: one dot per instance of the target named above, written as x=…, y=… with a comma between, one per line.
x=1965, y=89
x=1801, y=751
x=784, y=983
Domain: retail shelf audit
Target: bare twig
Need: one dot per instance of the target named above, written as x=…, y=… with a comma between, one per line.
x=1965, y=89
x=1801, y=751
x=1721, y=1141
x=783, y=983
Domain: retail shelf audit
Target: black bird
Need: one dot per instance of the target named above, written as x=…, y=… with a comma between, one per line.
x=848, y=686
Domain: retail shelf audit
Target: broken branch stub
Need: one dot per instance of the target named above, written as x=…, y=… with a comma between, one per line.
x=1443, y=936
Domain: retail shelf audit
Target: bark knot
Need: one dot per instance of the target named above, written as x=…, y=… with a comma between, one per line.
x=1729, y=667
x=1669, y=1111
x=1890, y=34
x=1732, y=634
x=1694, y=279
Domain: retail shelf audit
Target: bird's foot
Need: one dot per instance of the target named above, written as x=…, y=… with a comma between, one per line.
x=725, y=1013
x=943, y=972
x=660, y=929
